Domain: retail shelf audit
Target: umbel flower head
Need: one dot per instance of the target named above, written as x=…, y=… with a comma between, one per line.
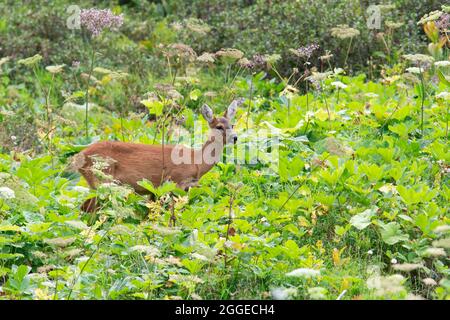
x=259, y=60
x=305, y=51
x=246, y=64
x=418, y=59
x=229, y=55
x=432, y=16
x=31, y=61
x=443, y=23
x=327, y=56
x=197, y=26
x=55, y=69
x=343, y=31
x=7, y=193
x=384, y=8
x=179, y=51
x=393, y=25
x=97, y=20
x=206, y=57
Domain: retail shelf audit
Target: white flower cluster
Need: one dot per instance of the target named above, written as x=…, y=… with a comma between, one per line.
x=7, y=193
x=303, y=272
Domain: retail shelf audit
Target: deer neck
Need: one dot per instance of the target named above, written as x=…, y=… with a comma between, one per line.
x=210, y=153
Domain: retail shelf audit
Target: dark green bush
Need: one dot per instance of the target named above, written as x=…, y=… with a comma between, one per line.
x=270, y=26
x=259, y=26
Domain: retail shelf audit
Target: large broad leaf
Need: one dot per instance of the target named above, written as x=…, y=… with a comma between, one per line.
x=19, y=281
x=391, y=233
x=9, y=227
x=363, y=220
x=8, y=256
x=195, y=94
x=147, y=185
x=283, y=131
x=167, y=187
x=154, y=107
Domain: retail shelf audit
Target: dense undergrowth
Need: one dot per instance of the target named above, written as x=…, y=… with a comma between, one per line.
x=355, y=207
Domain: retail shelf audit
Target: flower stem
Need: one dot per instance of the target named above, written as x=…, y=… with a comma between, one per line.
x=348, y=51
x=249, y=102
x=91, y=68
x=75, y=279
x=49, y=119
x=279, y=75
x=422, y=101
x=307, y=96
x=446, y=128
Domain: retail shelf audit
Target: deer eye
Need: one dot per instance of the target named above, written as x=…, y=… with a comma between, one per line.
x=219, y=128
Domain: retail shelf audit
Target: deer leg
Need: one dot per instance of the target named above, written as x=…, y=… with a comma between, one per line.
x=90, y=205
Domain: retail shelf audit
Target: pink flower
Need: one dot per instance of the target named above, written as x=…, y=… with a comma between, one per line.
x=96, y=20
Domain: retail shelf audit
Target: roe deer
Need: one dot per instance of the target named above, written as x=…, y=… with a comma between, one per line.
x=132, y=162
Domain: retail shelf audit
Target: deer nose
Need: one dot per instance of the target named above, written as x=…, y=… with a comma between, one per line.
x=235, y=139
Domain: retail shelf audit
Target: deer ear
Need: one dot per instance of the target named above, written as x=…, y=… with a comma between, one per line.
x=232, y=108
x=207, y=113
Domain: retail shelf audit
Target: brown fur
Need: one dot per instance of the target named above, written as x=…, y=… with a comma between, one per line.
x=133, y=162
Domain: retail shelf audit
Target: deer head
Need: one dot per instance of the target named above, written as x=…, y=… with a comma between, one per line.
x=221, y=127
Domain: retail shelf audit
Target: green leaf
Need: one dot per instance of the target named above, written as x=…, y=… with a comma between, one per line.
x=39, y=227
x=443, y=78
x=18, y=281
x=421, y=221
x=363, y=220
x=147, y=185
x=166, y=188
x=195, y=94
x=10, y=256
x=154, y=107
x=373, y=172
x=10, y=228
x=391, y=233
x=194, y=266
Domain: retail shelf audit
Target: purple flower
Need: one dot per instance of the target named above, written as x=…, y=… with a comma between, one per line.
x=259, y=60
x=316, y=84
x=96, y=20
x=307, y=51
x=444, y=22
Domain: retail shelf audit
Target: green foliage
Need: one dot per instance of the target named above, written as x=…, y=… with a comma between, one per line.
x=355, y=205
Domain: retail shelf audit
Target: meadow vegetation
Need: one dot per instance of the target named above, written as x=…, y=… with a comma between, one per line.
x=356, y=205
